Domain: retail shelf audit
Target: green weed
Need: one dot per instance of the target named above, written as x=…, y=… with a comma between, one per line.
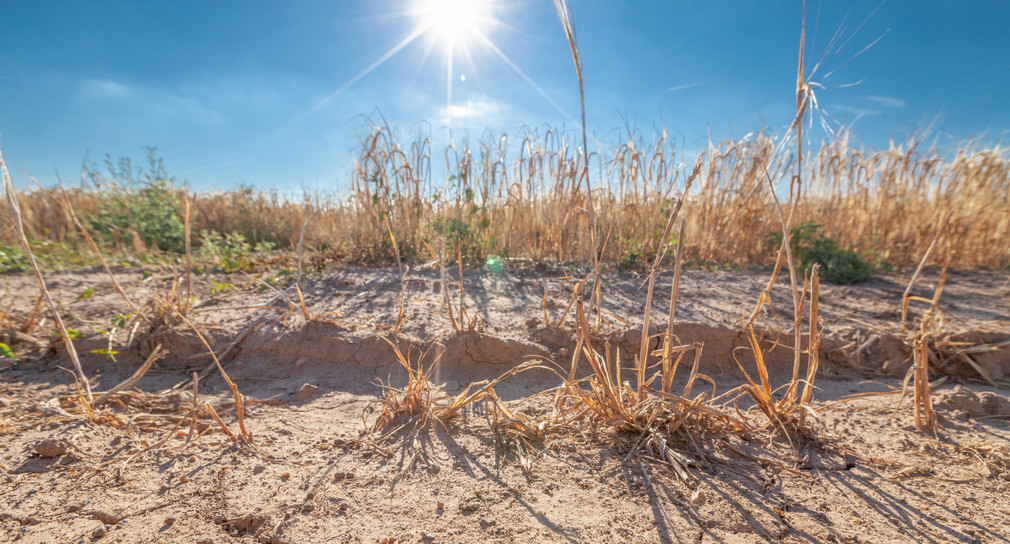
x=838, y=264
x=141, y=201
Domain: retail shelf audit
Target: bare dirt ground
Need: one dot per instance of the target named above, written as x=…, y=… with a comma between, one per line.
x=314, y=474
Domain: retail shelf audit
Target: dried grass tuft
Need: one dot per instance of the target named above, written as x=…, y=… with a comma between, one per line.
x=412, y=411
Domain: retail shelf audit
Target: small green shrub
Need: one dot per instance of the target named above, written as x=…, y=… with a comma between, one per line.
x=49, y=254
x=454, y=231
x=13, y=259
x=838, y=265
x=229, y=252
x=145, y=201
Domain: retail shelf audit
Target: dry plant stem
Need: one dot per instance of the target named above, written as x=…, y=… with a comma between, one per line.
x=813, y=343
x=187, y=225
x=94, y=247
x=239, y=400
x=675, y=288
x=670, y=367
x=445, y=285
x=403, y=278
x=238, y=338
x=462, y=310
x=301, y=243
x=698, y=347
x=644, y=347
x=905, y=298
x=194, y=411
x=795, y=191
x=802, y=95
x=643, y=350
x=137, y=375
x=15, y=209
x=935, y=303
x=564, y=12
x=922, y=403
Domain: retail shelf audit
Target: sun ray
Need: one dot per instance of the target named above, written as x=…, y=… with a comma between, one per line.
x=494, y=48
x=378, y=62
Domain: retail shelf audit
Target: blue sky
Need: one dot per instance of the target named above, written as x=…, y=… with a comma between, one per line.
x=242, y=92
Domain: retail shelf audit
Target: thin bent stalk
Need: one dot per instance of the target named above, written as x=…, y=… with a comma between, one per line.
x=94, y=247
x=15, y=209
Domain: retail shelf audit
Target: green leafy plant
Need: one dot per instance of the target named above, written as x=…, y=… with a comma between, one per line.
x=13, y=259
x=455, y=231
x=145, y=201
x=86, y=294
x=218, y=287
x=72, y=333
x=838, y=264
x=230, y=252
x=111, y=353
x=5, y=351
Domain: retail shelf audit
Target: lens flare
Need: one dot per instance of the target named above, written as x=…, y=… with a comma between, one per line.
x=453, y=22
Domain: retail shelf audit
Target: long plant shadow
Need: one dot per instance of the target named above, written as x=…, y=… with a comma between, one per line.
x=921, y=525
x=476, y=469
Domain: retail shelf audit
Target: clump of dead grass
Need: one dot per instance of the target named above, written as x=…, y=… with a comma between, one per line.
x=411, y=412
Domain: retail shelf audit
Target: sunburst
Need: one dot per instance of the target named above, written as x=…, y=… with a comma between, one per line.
x=455, y=26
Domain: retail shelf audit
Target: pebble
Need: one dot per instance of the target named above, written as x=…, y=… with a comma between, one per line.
x=426, y=536
x=307, y=392
x=99, y=532
x=170, y=520
x=5, y=402
x=309, y=506
x=52, y=447
x=487, y=521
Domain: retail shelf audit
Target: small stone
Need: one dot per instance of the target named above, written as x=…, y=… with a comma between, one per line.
x=440, y=505
x=426, y=536
x=259, y=468
x=309, y=506
x=99, y=532
x=307, y=392
x=5, y=402
x=170, y=520
x=301, y=362
x=52, y=447
x=487, y=521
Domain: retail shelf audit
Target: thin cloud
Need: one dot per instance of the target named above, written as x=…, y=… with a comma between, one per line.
x=129, y=104
x=103, y=88
x=888, y=101
x=480, y=109
x=857, y=112
x=690, y=85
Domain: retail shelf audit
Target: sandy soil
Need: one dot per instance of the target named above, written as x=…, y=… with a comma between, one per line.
x=867, y=473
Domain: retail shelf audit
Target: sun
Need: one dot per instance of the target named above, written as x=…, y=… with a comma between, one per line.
x=462, y=29
x=453, y=22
